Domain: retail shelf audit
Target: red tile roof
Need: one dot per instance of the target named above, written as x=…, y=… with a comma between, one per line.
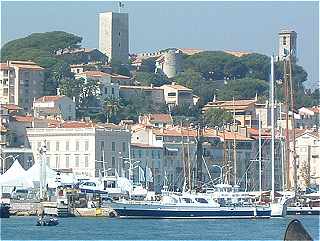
x=10, y=107
x=160, y=117
x=48, y=98
x=5, y=66
x=94, y=73
x=25, y=65
x=20, y=118
x=177, y=87
x=143, y=145
x=72, y=124
x=177, y=131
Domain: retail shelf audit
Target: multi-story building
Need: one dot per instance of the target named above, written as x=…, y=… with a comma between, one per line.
x=153, y=93
x=157, y=120
x=177, y=95
x=308, y=117
x=53, y=107
x=114, y=36
x=147, y=156
x=244, y=111
x=109, y=87
x=20, y=83
x=82, y=56
x=179, y=154
x=307, y=158
x=85, y=148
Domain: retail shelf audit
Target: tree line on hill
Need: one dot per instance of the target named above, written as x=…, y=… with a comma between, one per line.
x=208, y=74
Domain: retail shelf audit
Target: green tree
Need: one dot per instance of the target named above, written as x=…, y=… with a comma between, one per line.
x=243, y=89
x=214, y=117
x=148, y=65
x=146, y=78
x=111, y=107
x=73, y=88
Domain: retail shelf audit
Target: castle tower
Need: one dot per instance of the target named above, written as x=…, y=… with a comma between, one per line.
x=114, y=36
x=287, y=44
x=172, y=63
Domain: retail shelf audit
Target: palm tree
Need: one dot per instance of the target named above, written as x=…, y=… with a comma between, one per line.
x=111, y=107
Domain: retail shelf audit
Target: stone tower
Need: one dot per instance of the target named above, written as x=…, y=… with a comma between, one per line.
x=114, y=36
x=288, y=44
x=172, y=63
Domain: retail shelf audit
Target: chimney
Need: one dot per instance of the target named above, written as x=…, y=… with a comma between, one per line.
x=151, y=85
x=173, y=83
x=74, y=99
x=58, y=91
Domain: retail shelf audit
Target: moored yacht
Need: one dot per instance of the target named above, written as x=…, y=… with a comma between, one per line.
x=186, y=205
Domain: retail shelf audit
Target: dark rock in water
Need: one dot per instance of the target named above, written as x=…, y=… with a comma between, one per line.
x=296, y=231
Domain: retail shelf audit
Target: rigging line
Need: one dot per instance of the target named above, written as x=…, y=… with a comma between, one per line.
x=251, y=163
x=205, y=163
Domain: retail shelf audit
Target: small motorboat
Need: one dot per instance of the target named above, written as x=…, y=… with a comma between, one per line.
x=47, y=221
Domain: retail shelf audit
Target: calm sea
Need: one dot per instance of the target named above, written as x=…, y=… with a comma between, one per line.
x=23, y=228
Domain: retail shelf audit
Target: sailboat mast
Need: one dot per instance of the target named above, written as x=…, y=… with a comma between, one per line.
x=272, y=131
x=183, y=157
x=234, y=144
x=260, y=159
x=189, y=162
x=286, y=105
x=293, y=128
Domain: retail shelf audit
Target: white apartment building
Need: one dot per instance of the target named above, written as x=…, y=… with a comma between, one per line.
x=308, y=160
x=55, y=107
x=114, y=36
x=85, y=148
x=177, y=95
x=108, y=87
x=20, y=83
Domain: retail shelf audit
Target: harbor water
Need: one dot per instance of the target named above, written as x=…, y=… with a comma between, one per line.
x=23, y=228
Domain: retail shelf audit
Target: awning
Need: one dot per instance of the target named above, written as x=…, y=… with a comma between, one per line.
x=172, y=149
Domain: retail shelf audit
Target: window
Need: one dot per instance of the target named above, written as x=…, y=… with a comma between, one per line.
x=113, y=146
x=158, y=138
x=140, y=153
x=152, y=154
x=86, y=146
x=172, y=94
x=119, y=33
x=48, y=145
x=86, y=161
x=67, y=145
x=159, y=154
x=57, y=146
x=77, y=145
x=112, y=91
x=57, y=162
x=284, y=40
x=315, y=156
x=105, y=90
x=113, y=162
x=67, y=161
x=102, y=145
x=77, y=160
x=124, y=147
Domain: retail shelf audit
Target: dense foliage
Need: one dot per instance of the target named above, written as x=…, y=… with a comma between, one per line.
x=41, y=48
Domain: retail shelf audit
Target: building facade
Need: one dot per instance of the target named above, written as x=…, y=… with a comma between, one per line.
x=20, y=83
x=85, y=148
x=114, y=36
x=287, y=44
x=53, y=107
x=307, y=158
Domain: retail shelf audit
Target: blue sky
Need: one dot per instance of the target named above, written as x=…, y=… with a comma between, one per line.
x=244, y=26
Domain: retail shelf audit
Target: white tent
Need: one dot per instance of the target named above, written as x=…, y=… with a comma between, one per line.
x=15, y=170
x=26, y=179
x=14, y=177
